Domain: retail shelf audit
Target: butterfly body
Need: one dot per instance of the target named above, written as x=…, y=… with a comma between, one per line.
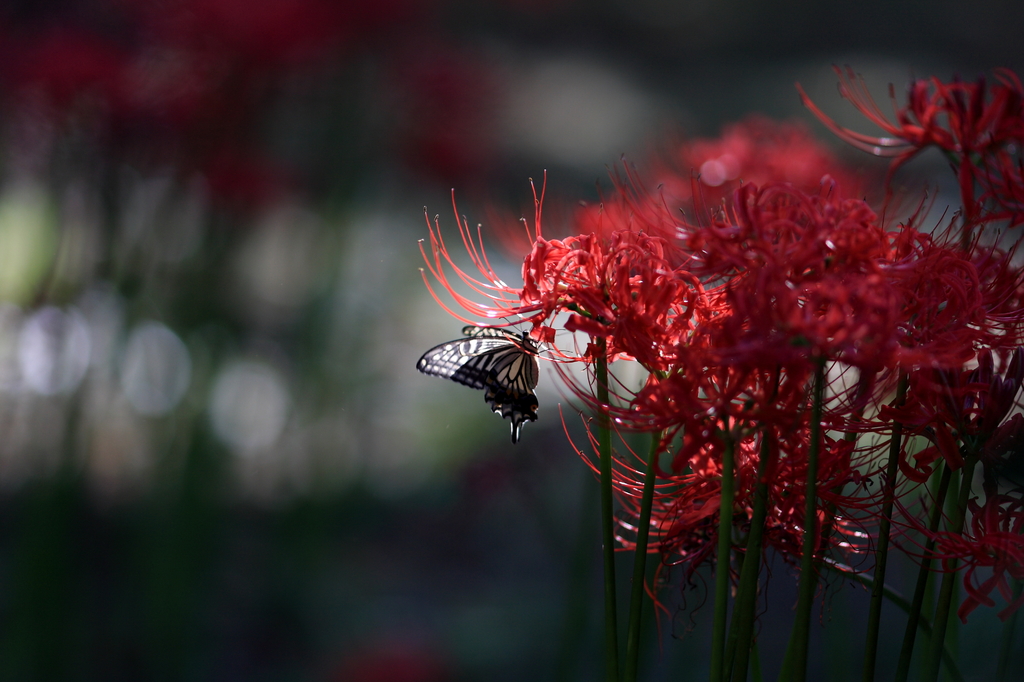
x=501, y=363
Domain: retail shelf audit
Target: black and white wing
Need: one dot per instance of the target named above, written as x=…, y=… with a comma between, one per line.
x=501, y=363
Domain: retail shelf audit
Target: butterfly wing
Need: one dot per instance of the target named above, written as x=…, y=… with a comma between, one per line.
x=502, y=364
x=464, y=361
x=509, y=388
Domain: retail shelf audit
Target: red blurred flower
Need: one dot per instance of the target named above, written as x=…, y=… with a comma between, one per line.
x=245, y=181
x=447, y=112
x=66, y=63
x=1002, y=181
x=756, y=150
x=175, y=83
x=393, y=661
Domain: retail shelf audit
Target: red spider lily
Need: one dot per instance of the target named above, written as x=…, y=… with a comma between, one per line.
x=941, y=303
x=696, y=397
x=779, y=224
x=756, y=150
x=1002, y=453
x=969, y=121
x=994, y=542
x=621, y=289
x=499, y=300
x=621, y=286
x=1000, y=279
x=756, y=403
x=807, y=277
x=959, y=411
x=1002, y=182
x=954, y=117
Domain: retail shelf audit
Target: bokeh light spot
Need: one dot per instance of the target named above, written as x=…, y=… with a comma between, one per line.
x=249, y=405
x=155, y=370
x=53, y=350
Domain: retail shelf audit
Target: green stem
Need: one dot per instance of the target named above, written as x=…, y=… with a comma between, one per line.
x=786, y=671
x=900, y=601
x=808, y=577
x=882, y=552
x=931, y=584
x=909, y=635
x=636, y=600
x=942, y=606
x=755, y=663
x=604, y=439
x=746, y=597
x=722, y=577
x=730, y=641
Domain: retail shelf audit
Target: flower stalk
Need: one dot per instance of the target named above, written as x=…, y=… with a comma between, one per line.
x=882, y=552
x=808, y=574
x=923, y=573
x=722, y=568
x=900, y=602
x=933, y=659
x=604, y=437
x=640, y=561
x=746, y=597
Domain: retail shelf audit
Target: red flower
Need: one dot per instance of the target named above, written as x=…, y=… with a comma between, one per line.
x=498, y=300
x=994, y=542
x=621, y=289
x=622, y=286
x=807, y=277
x=67, y=63
x=956, y=117
x=446, y=101
x=757, y=150
x=971, y=122
x=961, y=412
x=245, y=181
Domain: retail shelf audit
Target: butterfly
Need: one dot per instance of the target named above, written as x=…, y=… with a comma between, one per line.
x=502, y=363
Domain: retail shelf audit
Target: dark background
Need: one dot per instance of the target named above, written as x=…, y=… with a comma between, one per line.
x=217, y=461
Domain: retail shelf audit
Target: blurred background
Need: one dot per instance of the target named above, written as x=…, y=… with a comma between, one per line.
x=217, y=461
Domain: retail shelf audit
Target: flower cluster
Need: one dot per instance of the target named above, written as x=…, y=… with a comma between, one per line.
x=775, y=322
x=979, y=128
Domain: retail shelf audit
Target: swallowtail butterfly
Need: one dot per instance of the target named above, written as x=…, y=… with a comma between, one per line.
x=501, y=363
